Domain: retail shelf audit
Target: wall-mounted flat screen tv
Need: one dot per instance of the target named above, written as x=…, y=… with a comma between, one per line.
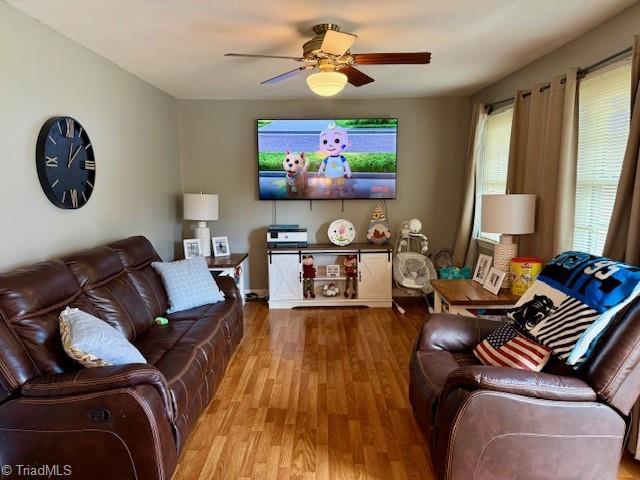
x=327, y=159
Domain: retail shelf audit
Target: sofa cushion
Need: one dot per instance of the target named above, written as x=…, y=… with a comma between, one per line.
x=159, y=339
x=93, y=342
x=192, y=352
x=31, y=298
x=105, y=282
x=188, y=283
x=137, y=254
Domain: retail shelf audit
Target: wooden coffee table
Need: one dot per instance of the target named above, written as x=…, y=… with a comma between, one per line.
x=461, y=296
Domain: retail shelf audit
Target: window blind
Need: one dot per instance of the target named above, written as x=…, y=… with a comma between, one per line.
x=603, y=130
x=496, y=157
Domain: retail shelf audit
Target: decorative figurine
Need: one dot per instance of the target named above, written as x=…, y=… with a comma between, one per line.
x=378, y=231
x=330, y=290
x=351, y=272
x=308, y=276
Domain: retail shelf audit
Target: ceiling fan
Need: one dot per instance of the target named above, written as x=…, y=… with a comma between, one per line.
x=329, y=52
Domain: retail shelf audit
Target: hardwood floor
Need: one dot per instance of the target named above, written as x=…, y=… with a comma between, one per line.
x=317, y=394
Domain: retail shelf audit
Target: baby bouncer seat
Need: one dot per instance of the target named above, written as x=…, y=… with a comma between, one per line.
x=412, y=269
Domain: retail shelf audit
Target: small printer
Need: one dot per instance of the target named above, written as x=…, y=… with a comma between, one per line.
x=287, y=236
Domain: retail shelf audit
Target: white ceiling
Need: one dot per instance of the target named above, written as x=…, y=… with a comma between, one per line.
x=178, y=45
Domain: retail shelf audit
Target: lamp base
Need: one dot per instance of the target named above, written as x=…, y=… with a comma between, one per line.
x=204, y=235
x=503, y=252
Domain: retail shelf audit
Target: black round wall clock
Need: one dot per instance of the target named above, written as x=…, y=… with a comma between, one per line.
x=65, y=162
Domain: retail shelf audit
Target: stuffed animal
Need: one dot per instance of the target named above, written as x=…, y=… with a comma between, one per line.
x=308, y=276
x=378, y=231
x=351, y=272
x=295, y=166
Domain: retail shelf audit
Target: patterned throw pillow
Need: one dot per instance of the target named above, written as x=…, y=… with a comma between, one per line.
x=506, y=347
x=188, y=283
x=93, y=342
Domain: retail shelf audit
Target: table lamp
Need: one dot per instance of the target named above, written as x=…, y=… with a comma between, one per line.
x=508, y=215
x=201, y=207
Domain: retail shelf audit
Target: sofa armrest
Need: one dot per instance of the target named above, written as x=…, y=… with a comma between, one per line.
x=520, y=382
x=100, y=379
x=453, y=333
x=228, y=286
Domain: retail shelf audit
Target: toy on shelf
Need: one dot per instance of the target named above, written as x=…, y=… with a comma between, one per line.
x=330, y=290
x=412, y=269
x=308, y=276
x=378, y=231
x=351, y=273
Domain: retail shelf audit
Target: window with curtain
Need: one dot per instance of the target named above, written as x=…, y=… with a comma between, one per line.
x=493, y=178
x=603, y=129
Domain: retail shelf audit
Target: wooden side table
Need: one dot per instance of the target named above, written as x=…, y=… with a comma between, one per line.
x=461, y=296
x=234, y=266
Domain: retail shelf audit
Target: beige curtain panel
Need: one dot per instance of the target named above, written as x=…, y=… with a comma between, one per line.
x=464, y=249
x=542, y=161
x=623, y=238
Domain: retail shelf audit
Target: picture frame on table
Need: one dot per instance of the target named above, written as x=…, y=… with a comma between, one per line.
x=494, y=280
x=221, y=246
x=483, y=265
x=333, y=271
x=192, y=248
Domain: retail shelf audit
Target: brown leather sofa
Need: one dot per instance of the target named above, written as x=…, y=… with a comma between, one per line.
x=116, y=422
x=501, y=423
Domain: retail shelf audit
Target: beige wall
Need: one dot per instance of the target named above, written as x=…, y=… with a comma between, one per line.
x=600, y=42
x=133, y=128
x=218, y=154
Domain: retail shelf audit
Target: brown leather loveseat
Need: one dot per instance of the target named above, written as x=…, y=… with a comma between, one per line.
x=116, y=422
x=486, y=422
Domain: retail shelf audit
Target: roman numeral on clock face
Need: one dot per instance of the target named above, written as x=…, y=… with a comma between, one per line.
x=89, y=164
x=71, y=127
x=74, y=197
x=51, y=161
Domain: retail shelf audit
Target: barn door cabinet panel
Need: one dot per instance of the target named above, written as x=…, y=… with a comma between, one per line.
x=373, y=280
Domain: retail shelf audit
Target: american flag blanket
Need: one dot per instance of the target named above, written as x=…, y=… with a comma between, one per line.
x=573, y=301
x=506, y=347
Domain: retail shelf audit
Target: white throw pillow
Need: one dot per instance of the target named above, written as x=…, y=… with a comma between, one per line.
x=93, y=342
x=188, y=283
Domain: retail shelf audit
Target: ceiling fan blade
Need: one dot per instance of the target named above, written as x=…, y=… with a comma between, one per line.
x=391, y=58
x=249, y=55
x=284, y=76
x=337, y=43
x=355, y=76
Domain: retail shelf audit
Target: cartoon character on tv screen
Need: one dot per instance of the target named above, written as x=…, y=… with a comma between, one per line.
x=334, y=140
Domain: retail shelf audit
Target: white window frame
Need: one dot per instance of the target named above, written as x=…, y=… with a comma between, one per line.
x=589, y=221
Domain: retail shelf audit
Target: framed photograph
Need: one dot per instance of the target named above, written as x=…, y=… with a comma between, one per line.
x=494, y=280
x=482, y=268
x=221, y=246
x=333, y=271
x=192, y=248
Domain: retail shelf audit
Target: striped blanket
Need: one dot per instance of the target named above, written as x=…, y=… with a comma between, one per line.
x=573, y=301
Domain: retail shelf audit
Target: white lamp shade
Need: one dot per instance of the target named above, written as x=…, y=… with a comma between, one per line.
x=200, y=206
x=509, y=214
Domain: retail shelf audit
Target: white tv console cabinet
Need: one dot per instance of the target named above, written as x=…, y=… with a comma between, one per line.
x=374, y=281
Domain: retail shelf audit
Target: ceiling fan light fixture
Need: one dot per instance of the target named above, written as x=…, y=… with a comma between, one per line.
x=327, y=84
